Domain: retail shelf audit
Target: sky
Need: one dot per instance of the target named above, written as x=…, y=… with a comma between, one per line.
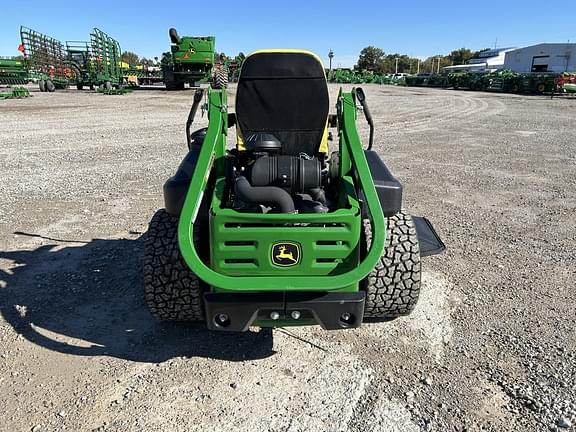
x=419, y=29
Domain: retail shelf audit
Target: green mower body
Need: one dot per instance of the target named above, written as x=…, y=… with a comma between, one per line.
x=280, y=231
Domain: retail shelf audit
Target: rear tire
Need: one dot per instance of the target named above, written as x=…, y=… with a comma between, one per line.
x=220, y=79
x=393, y=287
x=172, y=291
x=79, y=87
x=107, y=85
x=173, y=85
x=42, y=85
x=50, y=87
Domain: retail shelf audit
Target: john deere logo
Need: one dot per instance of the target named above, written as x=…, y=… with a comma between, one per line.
x=286, y=254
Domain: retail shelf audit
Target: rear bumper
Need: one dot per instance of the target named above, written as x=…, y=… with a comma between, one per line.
x=237, y=312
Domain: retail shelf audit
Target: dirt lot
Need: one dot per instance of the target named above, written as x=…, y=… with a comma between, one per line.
x=491, y=345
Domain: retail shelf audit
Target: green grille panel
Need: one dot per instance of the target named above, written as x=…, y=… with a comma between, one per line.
x=241, y=243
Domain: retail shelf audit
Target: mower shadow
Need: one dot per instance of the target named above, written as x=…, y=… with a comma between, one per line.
x=85, y=298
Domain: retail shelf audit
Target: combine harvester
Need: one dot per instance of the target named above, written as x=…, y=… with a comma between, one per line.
x=46, y=60
x=191, y=60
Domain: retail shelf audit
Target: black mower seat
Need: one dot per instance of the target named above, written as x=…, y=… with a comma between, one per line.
x=284, y=93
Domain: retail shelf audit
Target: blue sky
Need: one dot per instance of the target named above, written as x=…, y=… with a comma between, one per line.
x=405, y=27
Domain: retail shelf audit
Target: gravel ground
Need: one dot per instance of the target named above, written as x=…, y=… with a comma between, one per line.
x=491, y=345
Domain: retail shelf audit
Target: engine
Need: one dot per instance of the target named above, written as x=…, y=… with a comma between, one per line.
x=264, y=180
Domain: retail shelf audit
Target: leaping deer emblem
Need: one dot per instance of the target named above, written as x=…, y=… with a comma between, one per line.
x=285, y=255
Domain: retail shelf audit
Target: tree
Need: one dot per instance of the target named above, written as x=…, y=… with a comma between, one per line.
x=370, y=58
x=460, y=56
x=130, y=58
x=388, y=64
x=431, y=63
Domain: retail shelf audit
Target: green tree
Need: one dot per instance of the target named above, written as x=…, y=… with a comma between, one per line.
x=388, y=64
x=431, y=63
x=370, y=58
x=130, y=58
x=460, y=56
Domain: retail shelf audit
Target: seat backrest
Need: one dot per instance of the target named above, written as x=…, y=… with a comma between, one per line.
x=284, y=93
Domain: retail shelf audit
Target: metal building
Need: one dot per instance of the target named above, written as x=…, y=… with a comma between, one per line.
x=485, y=61
x=546, y=57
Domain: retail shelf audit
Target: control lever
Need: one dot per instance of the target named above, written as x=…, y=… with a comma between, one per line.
x=197, y=99
x=361, y=97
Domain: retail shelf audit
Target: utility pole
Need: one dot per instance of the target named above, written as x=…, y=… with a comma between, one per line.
x=396, y=65
x=418, y=71
x=331, y=56
x=438, y=68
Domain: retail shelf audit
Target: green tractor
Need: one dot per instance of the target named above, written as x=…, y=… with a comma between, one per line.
x=279, y=230
x=190, y=60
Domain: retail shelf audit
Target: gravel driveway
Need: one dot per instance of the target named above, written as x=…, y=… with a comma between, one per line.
x=491, y=345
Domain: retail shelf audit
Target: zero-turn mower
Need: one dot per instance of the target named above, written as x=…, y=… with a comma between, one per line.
x=280, y=230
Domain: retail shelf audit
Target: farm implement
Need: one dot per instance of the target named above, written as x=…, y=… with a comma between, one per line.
x=97, y=63
x=15, y=93
x=504, y=81
x=349, y=76
x=46, y=59
x=13, y=71
x=566, y=83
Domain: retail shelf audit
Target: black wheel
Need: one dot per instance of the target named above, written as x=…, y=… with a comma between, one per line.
x=107, y=85
x=50, y=87
x=172, y=291
x=393, y=287
x=42, y=85
x=220, y=78
x=541, y=88
x=79, y=86
x=173, y=85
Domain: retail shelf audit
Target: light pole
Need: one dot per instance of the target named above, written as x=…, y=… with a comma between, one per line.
x=331, y=56
x=396, y=65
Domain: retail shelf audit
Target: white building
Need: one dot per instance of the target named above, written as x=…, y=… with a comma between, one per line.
x=485, y=61
x=546, y=57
